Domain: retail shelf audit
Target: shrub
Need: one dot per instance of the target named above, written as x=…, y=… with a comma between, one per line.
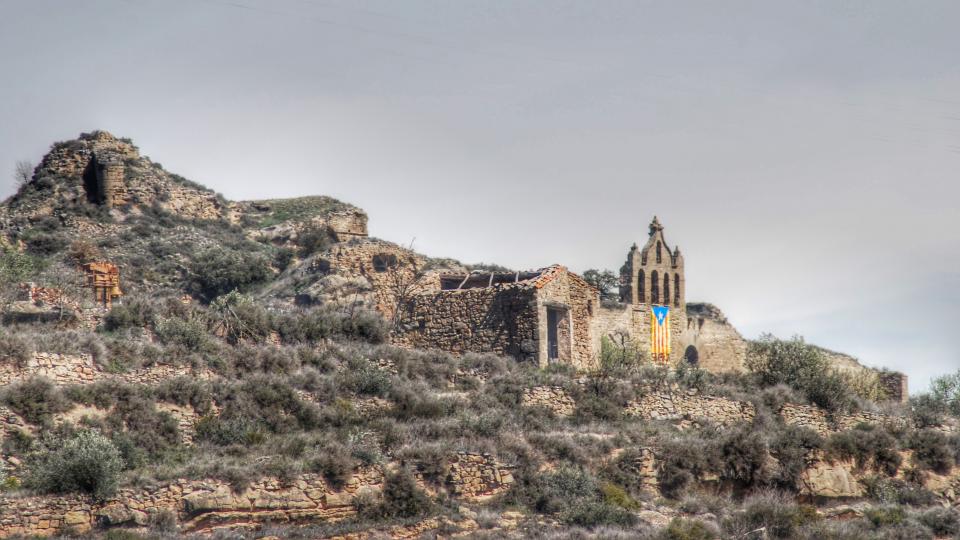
x=790, y=446
x=335, y=464
x=593, y=513
x=402, y=497
x=237, y=317
x=780, y=516
x=36, y=400
x=134, y=312
x=314, y=238
x=869, y=446
x=217, y=271
x=743, y=456
x=14, y=349
x=932, y=451
x=800, y=366
x=681, y=462
x=942, y=521
x=88, y=462
x=687, y=529
x=190, y=333
x=926, y=411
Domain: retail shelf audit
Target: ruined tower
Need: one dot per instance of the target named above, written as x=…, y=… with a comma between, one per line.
x=653, y=274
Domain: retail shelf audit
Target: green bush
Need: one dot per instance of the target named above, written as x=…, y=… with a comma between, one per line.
x=190, y=333
x=791, y=446
x=942, y=521
x=686, y=529
x=743, y=457
x=37, y=399
x=931, y=450
x=683, y=461
x=871, y=448
x=800, y=366
x=14, y=349
x=134, y=312
x=219, y=270
x=87, y=462
x=780, y=516
x=401, y=497
x=237, y=317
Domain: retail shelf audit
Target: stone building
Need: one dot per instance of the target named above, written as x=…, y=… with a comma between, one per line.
x=542, y=316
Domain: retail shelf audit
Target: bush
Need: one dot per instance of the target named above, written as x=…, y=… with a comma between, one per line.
x=932, y=451
x=800, y=366
x=683, y=461
x=870, y=447
x=14, y=349
x=687, y=529
x=401, y=497
x=237, y=317
x=36, y=400
x=942, y=521
x=790, y=446
x=780, y=516
x=217, y=271
x=88, y=462
x=134, y=312
x=743, y=456
x=190, y=333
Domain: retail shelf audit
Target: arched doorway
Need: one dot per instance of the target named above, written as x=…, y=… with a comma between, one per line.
x=691, y=355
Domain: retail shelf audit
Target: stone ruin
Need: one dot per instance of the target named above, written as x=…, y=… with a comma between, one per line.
x=552, y=315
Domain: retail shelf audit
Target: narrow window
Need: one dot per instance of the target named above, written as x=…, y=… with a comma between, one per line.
x=654, y=287
x=666, y=289
x=642, y=288
x=676, y=289
x=659, y=256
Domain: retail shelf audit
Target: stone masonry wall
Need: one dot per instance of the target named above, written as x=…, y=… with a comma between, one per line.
x=817, y=419
x=198, y=506
x=688, y=407
x=501, y=320
x=478, y=476
x=581, y=301
x=81, y=369
x=204, y=506
x=553, y=398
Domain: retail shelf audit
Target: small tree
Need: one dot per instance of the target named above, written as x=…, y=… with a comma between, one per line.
x=605, y=281
x=87, y=462
x=23, y=173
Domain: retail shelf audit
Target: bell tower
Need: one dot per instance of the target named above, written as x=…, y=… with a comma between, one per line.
x=653, y=274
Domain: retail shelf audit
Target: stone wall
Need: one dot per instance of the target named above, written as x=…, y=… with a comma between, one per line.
x=553, y=398
x=818, y=420
x=478, y=476
x=579, y=300
x=688, y=407
x=718, y=345
x=204, y=506
x=498, y=319
x=81, y=369
x=198, y=506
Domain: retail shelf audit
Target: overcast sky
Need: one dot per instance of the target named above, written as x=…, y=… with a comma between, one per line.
x=804, y=155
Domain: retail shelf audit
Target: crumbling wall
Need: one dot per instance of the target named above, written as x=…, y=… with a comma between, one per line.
x=718, y=345
x=818, y=420
x=500, y=320
x=348, y=224
x=477, y=476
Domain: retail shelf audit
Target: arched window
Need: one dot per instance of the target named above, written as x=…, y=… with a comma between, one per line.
x=676, y=289
x=666, y=289
x=642, y=287
x=659, y=248
x=654, y=287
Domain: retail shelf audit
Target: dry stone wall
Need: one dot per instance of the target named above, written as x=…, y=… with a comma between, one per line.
x=198, y=506
x=554, y=398
x=478, y=476
x=81, y=369
x=204, y=506
x=500, y=320
x=689, y=407
x=818, y=420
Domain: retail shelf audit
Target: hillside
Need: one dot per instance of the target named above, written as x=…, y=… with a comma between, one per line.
x=254, y=373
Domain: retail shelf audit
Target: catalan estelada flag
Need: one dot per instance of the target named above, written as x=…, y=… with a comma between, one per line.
x=660, y=334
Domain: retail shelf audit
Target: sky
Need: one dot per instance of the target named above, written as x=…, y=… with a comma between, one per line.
x=804, y=155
